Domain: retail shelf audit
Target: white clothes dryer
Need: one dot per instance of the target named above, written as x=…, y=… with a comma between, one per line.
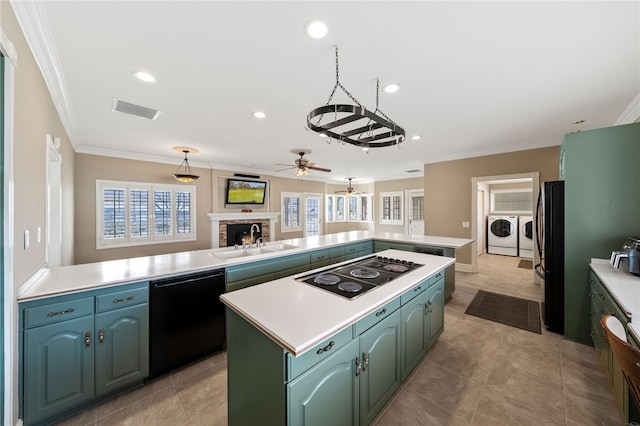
x=525, y=243
x=502, y=235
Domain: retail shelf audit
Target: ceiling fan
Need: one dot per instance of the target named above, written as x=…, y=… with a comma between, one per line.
x=350, y=189
x=302, y=165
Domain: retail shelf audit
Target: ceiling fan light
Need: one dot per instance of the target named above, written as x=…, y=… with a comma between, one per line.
x=301, y=171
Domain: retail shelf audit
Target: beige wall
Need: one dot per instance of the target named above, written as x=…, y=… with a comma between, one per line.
x=34, y=117
x=389, y=186
x=90, y=168
x=448, y=187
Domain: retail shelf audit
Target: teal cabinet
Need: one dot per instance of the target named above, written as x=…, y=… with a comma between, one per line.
x=380, y=366
x=422, y=321
x=414, y=334
x=245, y=275
x=602, y=303
x=435, y=311
x=78, y=348
x=122, y=350
x=345, y=379
x=58, y=367
x=328, y=393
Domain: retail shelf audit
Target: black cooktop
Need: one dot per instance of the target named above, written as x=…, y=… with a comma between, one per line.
x=356, y=278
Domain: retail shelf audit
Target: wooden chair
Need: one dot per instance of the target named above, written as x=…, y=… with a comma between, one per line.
x=627, y=356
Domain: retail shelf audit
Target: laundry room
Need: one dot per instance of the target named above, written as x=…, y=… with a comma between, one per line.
x=506, y=207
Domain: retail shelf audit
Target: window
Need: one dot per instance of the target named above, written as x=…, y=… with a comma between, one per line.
x=330, y=207
x=340, y=208
x=312, y=224
x=366, y=208
x=353, y=208
x=133, y=213
x=291, y=212
x=391, y=208
x=511, y=201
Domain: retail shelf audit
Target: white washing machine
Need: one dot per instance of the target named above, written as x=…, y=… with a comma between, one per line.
x=525, y=243
x=502, y=235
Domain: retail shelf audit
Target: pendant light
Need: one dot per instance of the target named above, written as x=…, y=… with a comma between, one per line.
x=185, y=174
x=354, y=124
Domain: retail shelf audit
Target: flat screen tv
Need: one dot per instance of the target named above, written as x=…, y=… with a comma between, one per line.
x=242, y=191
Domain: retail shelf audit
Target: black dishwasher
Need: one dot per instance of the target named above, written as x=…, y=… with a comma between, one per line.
x=187, y=319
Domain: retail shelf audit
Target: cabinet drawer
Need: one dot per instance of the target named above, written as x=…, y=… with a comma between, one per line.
x=435, y=278
x=353, y=248
x=319, y=256
x=376, y=316
x=336, y=252
x=366, y=247
x=299, y=364
x=413, y=292
x=56, y=312
x=121, y=299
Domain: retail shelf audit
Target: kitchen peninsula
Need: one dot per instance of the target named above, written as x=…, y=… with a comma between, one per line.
x=69, y=309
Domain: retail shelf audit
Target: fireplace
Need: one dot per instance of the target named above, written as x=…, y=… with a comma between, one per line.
x=237, y=233
x=219, y=221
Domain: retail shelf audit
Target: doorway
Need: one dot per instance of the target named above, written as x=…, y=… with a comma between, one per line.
x=415, y=212
x=312, y=215
x=480, y=188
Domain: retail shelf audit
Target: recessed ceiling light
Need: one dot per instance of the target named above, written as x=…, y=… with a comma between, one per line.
x=316, y=29
x=416, y=137
x=259, y=114
x=391, y=88
x=144, y=76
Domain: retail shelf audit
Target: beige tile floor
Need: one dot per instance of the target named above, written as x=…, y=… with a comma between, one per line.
x=478, y=373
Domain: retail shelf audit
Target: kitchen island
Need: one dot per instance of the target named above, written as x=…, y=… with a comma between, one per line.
x=297, y=354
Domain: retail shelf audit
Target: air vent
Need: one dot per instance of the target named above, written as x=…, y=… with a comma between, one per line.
x=413, y=171
x=132, y=109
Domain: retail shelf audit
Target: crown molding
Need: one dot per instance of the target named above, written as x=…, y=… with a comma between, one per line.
x=631, y=113
x=521, y=146
x=32, y=18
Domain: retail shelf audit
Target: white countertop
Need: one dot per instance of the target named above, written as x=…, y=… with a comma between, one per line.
x=69, y=279
x=625, y=289
x=298, y=316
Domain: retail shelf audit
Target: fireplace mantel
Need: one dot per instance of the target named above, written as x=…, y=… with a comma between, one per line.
x=216, y=218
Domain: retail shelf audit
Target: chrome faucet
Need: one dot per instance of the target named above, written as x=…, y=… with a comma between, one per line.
x=251, y=233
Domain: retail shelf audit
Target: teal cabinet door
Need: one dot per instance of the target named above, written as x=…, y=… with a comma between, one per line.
x=414, y=335
x=435, y=311
x=59, y=369
x=380, y=355
x=122, y=349
x=328, y=393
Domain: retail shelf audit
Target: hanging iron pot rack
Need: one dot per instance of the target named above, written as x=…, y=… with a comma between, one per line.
x=355, y=124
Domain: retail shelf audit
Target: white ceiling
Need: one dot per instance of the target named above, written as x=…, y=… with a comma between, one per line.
x=476, y=77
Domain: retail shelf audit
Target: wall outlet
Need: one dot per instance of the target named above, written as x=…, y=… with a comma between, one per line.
x=465, y=224
x=26, y=239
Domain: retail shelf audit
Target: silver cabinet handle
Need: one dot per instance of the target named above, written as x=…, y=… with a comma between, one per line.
x=365, y=358
x=87, y=339
x=126, y=299
x=358, y=366
x=382, y=312
x=67, y=311
x=326, y=348
x=101, y=335
x=417, y=288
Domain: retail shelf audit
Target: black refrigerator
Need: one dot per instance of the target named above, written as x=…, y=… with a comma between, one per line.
x=550, y=244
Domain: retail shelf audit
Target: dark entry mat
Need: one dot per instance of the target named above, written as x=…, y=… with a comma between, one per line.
x=513, y=311
x=525, y=264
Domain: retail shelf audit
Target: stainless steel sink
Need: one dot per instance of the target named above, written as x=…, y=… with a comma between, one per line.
x=233, y=253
